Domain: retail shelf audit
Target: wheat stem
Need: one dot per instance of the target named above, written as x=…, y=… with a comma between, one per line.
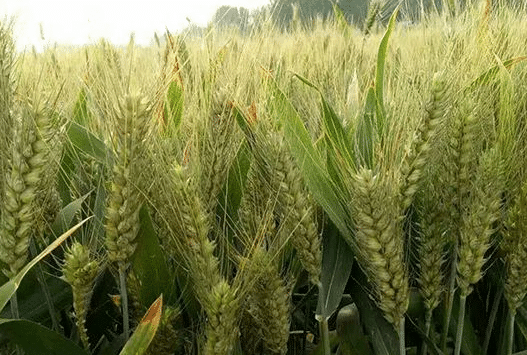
x=124, y=301
x=449, y=299
x=402, y=341
x=428, y=325
x=460, y=324
x=492, y=318
x=324, y=334
x=510, y=331
x=14, y=307
x=15, y=315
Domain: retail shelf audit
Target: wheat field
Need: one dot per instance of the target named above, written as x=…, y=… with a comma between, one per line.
x=334, y=189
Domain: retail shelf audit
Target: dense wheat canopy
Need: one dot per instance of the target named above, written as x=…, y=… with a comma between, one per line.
x=318, y=187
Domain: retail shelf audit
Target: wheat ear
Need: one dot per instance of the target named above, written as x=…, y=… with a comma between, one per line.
x=516, y=280
x=297, y=214
x=80, y=271
x=222, y=325
x=414, y=162
x=476, y=229
x=516, y=261
x=478, y=223
x=27, y=161
x=380, y=244
x=219, y=300
x=269, y=303
x=125, y=200
x=459, y=170
x=7, y=86
x=217, y=152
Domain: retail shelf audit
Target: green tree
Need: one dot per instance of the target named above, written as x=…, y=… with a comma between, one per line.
x=229, y=16
x=283, y=10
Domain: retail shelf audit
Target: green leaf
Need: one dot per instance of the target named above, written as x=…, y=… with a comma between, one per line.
x=383, y=337
x=174, y=105
x=349, y=330
x=65, y=216
x=340, y=19
x=81, y=115
x=36, y=339
x=231, y=195
x=99, y=212
x=337, y=261
x=335, y=131
x=492, y=73
x=146, y=330
x=335, y=172
x=310, y=162
x=245, y=126
x=86, y=142
x=9, y=288
x=366, y=134
x=67, y=168
x=379, y=76
x=30, y=296
x=149, y=262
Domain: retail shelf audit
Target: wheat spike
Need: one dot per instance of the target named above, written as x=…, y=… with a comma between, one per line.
x=125, y=198
x=414, y=162
x=380, y=243
x=516, y=280
x=27, y=162
x=269, y=303
x=222, y=326
x=297, y=213
x=80, y=272
x=478, y=224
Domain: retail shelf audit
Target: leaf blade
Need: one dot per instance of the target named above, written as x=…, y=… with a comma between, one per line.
x=8, y=289
x=379, y=74
x=86, y=142
x=36, y=339
x=310, y=163
x=149, y=262
x=337, y=261
x=146, y=330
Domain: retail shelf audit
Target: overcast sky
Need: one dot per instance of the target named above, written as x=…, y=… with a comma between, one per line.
x=79, y=22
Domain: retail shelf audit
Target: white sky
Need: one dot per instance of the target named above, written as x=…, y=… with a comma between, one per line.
x=78, y=22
